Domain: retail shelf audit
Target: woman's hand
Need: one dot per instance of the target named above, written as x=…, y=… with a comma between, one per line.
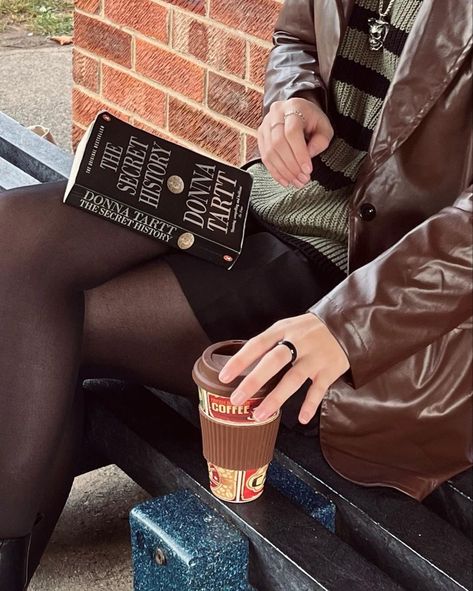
x=287, y=144
x=319, y=357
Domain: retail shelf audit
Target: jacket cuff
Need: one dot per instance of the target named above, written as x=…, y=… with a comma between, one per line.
x=345, y=332
x=317, y=96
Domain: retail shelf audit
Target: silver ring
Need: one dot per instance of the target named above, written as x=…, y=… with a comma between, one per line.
x=277, y=123
x=298, y=113
x=291, y=348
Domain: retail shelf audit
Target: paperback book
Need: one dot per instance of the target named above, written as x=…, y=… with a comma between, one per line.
x=153, y=186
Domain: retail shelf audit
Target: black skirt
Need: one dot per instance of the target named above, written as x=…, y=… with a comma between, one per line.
x=271, y=280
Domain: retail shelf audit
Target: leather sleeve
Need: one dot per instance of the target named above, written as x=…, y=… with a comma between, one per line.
x=292, y=68
x=423, y=282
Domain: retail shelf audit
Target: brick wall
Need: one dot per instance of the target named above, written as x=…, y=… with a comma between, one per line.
x=188, y=70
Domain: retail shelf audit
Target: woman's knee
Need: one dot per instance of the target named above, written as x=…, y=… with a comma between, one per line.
x=27, y=241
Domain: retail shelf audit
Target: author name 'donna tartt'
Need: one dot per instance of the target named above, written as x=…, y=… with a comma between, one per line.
x=211, y=193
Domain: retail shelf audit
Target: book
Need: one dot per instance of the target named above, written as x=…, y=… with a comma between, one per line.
x=153, y=186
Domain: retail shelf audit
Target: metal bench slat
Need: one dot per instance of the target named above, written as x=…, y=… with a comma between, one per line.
x=414, y=546
x=29, y=152
x=12, y=176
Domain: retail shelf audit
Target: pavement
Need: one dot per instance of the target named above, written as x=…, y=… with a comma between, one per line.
x=36, y=82
x=90, y=547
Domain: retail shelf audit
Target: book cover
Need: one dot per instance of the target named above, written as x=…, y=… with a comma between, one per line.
x=155, y=187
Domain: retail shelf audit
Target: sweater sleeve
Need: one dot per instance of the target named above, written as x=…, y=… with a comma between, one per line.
x=406, y=298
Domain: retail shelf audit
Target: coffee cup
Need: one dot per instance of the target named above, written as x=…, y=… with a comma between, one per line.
x=237, y=448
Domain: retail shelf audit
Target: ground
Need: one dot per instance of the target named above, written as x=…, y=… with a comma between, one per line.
x=90, y=548
x=46, y=17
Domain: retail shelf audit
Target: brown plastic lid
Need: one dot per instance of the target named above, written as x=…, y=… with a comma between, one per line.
x=208, y=366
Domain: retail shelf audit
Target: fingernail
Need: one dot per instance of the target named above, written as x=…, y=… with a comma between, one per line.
x=303, y=178
x=260, y=415
x=306, y=168
x=224, y=375
x=238, y=397
x=297, y=184
x=304, y=418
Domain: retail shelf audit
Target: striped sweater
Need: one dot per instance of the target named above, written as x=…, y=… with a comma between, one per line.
x=315, y=217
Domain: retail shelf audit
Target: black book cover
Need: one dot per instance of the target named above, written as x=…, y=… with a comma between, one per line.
x=167, y=192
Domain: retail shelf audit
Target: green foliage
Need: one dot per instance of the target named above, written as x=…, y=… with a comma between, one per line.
x=45, y=17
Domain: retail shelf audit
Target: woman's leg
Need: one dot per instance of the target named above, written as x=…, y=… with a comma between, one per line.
x=138, y=326
x=61, y=472
x=49, y=254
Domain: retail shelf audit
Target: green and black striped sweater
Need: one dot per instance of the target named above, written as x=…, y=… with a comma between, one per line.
x=315, y=217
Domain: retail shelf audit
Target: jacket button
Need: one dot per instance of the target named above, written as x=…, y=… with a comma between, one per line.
x=367, y=212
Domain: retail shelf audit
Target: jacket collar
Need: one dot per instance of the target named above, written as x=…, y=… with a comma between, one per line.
x=437, y=45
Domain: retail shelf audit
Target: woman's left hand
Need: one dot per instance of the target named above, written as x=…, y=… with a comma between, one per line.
x=319, y=357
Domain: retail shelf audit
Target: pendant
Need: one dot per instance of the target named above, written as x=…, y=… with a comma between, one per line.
x=378, y=29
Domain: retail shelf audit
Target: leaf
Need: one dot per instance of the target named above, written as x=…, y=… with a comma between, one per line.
x=62, y=39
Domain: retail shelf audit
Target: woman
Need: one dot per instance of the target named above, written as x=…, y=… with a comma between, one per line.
x=365, y=170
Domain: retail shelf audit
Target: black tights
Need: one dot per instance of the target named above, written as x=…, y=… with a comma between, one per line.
x=77, y=293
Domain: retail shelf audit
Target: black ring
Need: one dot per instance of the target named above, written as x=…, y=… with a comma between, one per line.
x=291, y=348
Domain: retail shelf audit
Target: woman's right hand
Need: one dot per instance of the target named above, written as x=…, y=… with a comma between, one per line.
x=287, y=148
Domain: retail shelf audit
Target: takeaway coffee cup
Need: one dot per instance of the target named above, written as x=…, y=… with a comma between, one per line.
x=237, y=448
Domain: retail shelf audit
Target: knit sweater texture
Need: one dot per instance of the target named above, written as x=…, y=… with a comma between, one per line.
x=315, y=217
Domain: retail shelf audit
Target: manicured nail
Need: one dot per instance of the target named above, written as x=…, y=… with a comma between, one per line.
x=224, y=375
x=238, y=397
x=303, y=178
x=260, y=415
x=306, y=168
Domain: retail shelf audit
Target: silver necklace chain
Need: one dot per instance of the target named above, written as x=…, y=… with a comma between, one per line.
x=382, y=12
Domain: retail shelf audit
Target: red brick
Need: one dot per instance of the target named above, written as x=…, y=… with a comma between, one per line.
x=197, y=6
x=156, y=131
x=213, y=45
x=85, y=108
x=145, y=16
x=258, y=59
x=103, y=39
x=77, y=133
x=133, y=95
x=85, y=70
x=234, y=100
x=88, y=5
x=204, y=131
x=256, y=17
x=251, y=147
x=168, y=69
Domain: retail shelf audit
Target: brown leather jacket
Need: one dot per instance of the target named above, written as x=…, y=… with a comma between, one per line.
x=403, y=417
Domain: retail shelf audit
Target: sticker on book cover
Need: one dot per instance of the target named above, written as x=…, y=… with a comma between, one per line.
x=185, y=240
x=175, y=184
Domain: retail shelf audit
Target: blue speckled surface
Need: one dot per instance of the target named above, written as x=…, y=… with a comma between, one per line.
x=203, y=551
x=300, y=493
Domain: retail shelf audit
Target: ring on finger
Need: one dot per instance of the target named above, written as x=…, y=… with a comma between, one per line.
x=295, y=112
x=291, y=348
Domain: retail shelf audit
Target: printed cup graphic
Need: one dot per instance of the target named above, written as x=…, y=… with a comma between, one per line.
x=237, y=448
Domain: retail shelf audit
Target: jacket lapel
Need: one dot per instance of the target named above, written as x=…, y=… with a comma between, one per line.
x=437, y=45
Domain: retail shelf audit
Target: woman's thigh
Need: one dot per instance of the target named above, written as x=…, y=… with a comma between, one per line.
x=151, y=323
x=139, y=326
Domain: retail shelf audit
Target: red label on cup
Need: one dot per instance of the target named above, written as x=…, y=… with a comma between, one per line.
x=220, y=408
x=236, y=486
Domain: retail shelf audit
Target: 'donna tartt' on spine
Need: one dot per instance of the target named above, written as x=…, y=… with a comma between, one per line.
x=155, y=187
